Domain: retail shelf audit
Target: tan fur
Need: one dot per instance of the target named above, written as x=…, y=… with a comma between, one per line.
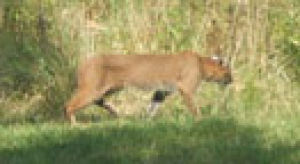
x=100, y=74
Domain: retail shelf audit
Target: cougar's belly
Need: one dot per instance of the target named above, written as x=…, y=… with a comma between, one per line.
x=154, y=86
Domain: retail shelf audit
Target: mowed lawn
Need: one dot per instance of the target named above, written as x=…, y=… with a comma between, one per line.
x=211, y=140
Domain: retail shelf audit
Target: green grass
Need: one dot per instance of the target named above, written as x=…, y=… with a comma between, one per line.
x=211, y=140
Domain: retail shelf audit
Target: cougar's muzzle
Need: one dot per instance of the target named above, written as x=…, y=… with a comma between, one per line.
x=227, y=79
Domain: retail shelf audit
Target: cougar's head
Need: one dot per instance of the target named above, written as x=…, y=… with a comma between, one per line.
x=216, y=70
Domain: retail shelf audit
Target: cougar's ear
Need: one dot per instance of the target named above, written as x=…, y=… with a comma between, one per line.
x=217, y=59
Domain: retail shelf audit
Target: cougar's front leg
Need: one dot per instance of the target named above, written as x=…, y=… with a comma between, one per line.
x=187, y=88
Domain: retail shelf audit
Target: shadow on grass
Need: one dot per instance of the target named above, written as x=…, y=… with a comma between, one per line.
x=208, y=141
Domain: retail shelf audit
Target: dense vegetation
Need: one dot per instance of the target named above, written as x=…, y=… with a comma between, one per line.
x=255, y=120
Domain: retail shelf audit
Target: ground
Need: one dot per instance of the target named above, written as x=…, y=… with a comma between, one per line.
x=211, y=140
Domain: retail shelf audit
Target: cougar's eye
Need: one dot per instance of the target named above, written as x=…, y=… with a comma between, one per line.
x=220, y=62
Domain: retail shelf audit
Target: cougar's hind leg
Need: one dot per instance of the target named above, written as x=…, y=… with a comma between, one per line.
x=81, y=99
x=101, y=102
x=158, y=98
